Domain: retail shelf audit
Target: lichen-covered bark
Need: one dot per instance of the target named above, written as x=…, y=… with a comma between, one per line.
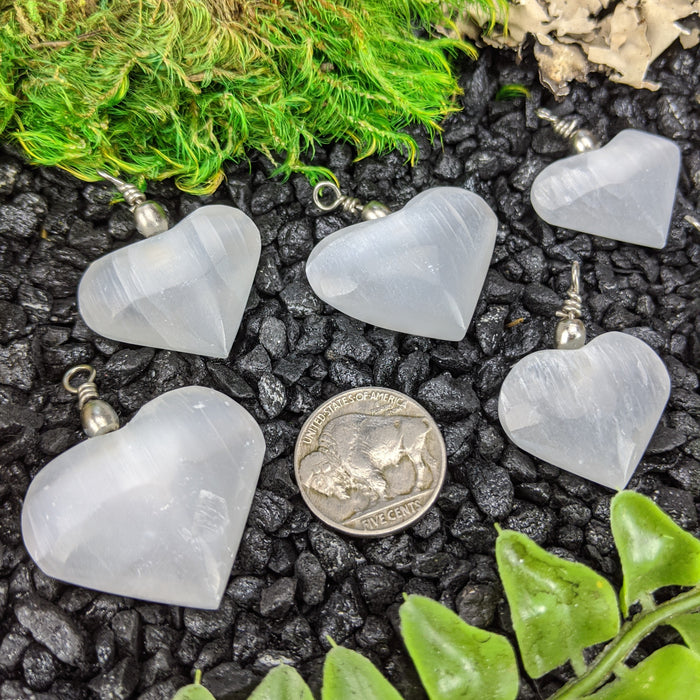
x=573, y=38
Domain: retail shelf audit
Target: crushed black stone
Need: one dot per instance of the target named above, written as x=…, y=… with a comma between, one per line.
x=295, y=582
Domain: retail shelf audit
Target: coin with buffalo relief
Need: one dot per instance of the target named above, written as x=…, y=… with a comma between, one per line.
x=370, y=461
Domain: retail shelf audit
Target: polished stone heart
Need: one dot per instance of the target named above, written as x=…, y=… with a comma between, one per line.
x=185, y=289
x=419, y=270
x=591, y=411
x=625, y=190
x=155, y=510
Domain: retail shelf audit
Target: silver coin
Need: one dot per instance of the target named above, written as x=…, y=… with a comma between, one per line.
x=370, y=461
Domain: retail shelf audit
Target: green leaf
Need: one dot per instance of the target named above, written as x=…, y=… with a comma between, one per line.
x=194, y=691
x=558, y=607
x=282, y=683
x=689, y=628
x=348, y=675
x=654, y=551
x=671, y=673
x=455, y=660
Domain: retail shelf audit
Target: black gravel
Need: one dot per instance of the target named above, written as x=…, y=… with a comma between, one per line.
x=294, y=581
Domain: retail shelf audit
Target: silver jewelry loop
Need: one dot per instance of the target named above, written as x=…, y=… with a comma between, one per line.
x=87, y=390
x=77, y=370
x=563, y=126
x=150, y=218
x=575, y=277
x=570, y=333
x=96, y=415
x=132, y=194
x=352, y=205
x=572, y=305
x=327, y=185
x=580, y=140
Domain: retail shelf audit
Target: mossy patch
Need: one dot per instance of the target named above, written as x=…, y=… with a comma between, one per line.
x=174, y=88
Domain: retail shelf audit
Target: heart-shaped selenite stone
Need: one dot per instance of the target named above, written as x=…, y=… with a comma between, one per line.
x=591, y=411
x=419, y=270
x=185, y=289
x=155, y=510
x=624, y=190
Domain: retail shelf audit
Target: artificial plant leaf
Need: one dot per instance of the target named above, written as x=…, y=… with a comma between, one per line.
x=455, y=660
x=348, y=675
x=670, y=673
x=654, y=551
x=194, y=691
x=282, y=683
x=558, y=607
x=688, y=627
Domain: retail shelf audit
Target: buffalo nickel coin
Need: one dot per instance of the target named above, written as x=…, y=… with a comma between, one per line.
x=370, y=461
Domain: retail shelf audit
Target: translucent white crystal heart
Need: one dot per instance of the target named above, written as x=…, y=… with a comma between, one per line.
x=155, y=510
x=625, y=190
x=419, y=270
x=185, y=289
x=591, y=411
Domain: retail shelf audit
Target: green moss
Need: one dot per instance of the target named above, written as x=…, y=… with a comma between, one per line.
x=512, y=92
x=173, y=88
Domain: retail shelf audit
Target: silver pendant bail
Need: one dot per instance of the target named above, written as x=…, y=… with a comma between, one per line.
x=150, y=218
x=352, y=205
x=570, y=333
x=96, y=415
x=580, y=140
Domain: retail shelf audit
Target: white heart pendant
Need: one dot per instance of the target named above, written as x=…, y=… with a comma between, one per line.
x=624, y=190
x=185, y=289
x=590, y=411
x=419, y=270
x=155, y=510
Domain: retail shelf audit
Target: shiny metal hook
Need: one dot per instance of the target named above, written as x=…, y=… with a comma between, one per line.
x=96, y=415
x=150, y=218
x=570, y=333
x=68, y=376
x=322, y=187
x=581, y=140
x=352, y=205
